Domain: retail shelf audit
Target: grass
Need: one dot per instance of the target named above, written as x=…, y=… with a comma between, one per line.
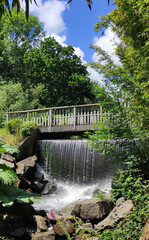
x=9, y=138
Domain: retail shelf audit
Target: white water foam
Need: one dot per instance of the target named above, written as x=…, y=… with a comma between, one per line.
x=77, y=171
x=67, y=194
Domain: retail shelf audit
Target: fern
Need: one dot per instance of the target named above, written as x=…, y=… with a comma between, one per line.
x=7, y=175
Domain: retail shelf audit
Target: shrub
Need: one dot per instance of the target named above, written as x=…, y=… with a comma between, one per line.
x=13, y=126
x=26, y=128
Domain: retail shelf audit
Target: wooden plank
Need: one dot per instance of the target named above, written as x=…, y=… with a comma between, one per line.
x=88, y=116
x=63, y=120
x=101, y=114
x=74, y=118
x=98, y=115
x=85, y=115
x=95, y=120
x=91, y=115
x=66, y=123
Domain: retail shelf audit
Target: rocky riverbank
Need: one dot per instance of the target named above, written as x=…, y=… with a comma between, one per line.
x=22, y=221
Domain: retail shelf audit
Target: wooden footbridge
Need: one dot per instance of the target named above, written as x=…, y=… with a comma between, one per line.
x=62, y=119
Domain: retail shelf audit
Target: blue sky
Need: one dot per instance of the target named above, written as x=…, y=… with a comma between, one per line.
x=73, y=24
x=80, y=23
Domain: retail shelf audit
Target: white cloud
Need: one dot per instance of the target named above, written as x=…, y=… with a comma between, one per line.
x=60, y=39
x=107, y=43
x=95, y=76
x=79, y=53
x=50, y=13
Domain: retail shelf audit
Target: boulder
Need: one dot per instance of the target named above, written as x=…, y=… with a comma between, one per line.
x=49, y=235
x=17, y=220
x=7, y=163
x=38, y=176
x=50, y=187
x=24, y=183
x=58, y=217
x=86, y=237
x=120, y=201
x=145, y=234
x=67, y=225
x=86, y=227
x=8, y=160
x=24, y=210
x=21, y=233
x=27, y=167
x=37, y=187
x=8, y=157
x=66, y=214
x=41, y=222
x=92, y=209
x=118, y=213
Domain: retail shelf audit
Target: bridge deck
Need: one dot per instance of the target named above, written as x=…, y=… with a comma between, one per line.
x=60, y=119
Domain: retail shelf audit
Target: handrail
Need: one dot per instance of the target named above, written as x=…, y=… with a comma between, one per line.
x=54, y=108
x=65, y=116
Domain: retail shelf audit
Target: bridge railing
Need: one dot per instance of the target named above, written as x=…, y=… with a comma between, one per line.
x=87, y=114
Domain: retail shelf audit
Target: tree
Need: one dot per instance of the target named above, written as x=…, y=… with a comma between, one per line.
x=14, y=98
x=59, y=73
x=17, y=36
x=130, y=22
x=128, y=86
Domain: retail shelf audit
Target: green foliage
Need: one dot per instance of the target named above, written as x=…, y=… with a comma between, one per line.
x=124, y=135
x=7, y=175
x=14, y=98
x=7, y=147
x=13, y=126
x=19, y=128
x=125, y=185
x=6, y=7
x=16, y=37
x=10, y=149
x=26, y=128
x=10, y=194
x=75, y=137
x=35, y=73
x=61, y=77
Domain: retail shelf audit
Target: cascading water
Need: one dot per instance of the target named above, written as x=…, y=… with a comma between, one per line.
x=77, y=170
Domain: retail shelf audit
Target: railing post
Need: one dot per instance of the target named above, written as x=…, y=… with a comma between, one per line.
x=28, y=116
x=101, y=118
x=74, y=120
x=7, y=117
x=50, y=120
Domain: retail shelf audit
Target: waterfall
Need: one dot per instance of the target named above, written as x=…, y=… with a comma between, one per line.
x=76, y=168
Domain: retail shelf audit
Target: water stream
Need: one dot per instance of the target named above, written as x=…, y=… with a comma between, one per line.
x=77, y=170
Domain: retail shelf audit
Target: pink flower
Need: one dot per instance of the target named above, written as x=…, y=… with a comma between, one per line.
x=52, y=215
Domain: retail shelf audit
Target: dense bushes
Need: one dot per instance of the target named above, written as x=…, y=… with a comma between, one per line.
x=19, y=128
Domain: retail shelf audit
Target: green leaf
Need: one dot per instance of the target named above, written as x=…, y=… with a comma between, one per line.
x=10, y=194
x=2, y=149
x=7, y=175
x=10, y=149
